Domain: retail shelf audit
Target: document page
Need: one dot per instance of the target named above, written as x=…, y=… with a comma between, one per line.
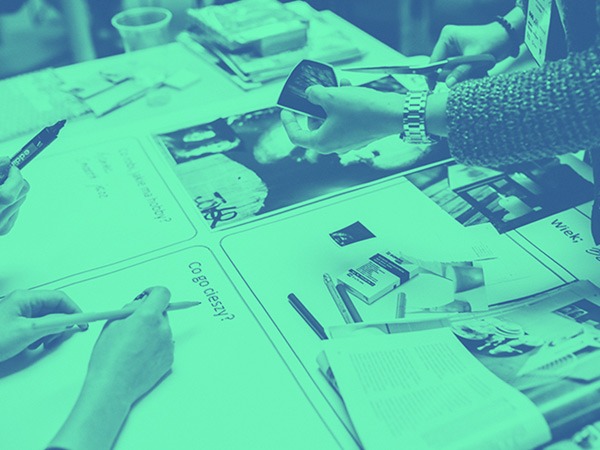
x=425, y=390
x=90, y=208
x=229, y=386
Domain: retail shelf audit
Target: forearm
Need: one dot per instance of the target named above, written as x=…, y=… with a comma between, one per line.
x=530, y=115
x=94, y=422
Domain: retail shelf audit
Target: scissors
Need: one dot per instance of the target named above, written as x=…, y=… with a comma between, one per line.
x=482, y=62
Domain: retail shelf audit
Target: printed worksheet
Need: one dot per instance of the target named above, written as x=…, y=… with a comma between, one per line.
x=90, y=208
x=230, y=386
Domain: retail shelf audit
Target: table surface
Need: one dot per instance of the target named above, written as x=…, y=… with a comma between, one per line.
x=295, y=413
x=311, y=422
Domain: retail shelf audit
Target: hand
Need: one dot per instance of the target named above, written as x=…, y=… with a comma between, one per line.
x=356, y=116
x=468, y=41
x=16, y=312
x=131, y=356
x=12, y=195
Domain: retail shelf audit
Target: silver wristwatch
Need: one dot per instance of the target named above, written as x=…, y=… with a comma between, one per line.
x=413, y=119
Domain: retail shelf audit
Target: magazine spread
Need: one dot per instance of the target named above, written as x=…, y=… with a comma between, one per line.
x=540, y=355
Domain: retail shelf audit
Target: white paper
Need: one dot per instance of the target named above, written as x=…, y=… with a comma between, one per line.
x=424, y=390
x=88, y=209
x=229, y=387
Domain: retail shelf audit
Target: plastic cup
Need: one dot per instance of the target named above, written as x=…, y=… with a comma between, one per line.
x=143, y=27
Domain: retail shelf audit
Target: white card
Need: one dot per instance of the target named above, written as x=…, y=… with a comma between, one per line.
x=537, y=29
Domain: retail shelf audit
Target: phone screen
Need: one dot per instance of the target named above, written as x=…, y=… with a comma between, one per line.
x=307, y=73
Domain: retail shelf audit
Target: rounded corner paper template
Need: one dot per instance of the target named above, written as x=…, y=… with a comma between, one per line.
x=88, y=209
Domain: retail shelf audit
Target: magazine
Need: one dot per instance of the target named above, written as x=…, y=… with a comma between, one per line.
x=517, y=376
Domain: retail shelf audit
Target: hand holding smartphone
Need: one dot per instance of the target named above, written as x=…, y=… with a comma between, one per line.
x=306, y=74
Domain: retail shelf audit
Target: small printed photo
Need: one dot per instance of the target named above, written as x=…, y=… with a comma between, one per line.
x=496, y=337
x=582, y=311
x=518, y=196
x=351, y=234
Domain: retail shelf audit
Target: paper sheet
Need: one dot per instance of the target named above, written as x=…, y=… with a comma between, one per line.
x=229, y=387
x=87, y=209
x=424, y=390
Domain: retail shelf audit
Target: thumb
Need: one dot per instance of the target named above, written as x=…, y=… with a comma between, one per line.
x=460, y=73
x=156, y=301
x=318, y=95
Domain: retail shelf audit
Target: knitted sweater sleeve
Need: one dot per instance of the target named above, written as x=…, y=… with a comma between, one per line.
x=511, y=118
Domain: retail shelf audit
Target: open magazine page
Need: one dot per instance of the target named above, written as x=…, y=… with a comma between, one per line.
x=546, y=347
x=250, y=168
x=425, y=390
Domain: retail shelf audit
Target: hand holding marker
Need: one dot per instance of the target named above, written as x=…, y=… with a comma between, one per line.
x=33, y=148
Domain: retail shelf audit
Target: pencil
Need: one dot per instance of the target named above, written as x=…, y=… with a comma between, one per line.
x=65, y=321
x=348, y=302
x=401, y=306
x=339, y=303
x=307, y=316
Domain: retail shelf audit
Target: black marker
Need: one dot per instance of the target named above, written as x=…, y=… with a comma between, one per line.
x=307, y=316
x=34, y=147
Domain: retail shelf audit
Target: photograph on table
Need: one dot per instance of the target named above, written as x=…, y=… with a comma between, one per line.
x=517, y=196
x=244, y=166
x=540, y=348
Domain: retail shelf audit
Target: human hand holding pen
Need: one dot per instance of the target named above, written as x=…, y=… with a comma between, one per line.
x=130, y=358
x=17, y=312
x=13, y=191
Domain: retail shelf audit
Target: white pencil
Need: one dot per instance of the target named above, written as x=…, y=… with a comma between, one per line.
x=60, y=322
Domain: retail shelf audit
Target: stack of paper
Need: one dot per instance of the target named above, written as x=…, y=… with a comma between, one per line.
x=326, y=42
x=246, y=24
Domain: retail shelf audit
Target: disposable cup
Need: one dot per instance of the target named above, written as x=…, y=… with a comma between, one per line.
x=143, y=27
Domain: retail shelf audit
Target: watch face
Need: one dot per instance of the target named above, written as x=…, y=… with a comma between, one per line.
x=307, y=73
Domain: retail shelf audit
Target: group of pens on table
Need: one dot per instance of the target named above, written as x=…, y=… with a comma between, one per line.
x=344, y=304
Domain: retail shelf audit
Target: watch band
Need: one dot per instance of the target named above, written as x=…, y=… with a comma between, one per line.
x=413, y=119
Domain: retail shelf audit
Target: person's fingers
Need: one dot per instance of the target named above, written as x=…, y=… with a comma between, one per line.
x=55, y=340
x=39, y=303
x=319, y=95
x=444, y=45
x=24, y=190
x=295, y=132
x=36, y=344
x=8, y=222
x=314, y=123
x=11, y=188
x=460, y=73
x=156, y=303
x=345, y=82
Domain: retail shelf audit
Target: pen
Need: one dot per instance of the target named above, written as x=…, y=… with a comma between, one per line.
x=348, y=302
x=307, y=316
x=341, y=306
x=69, y=320
x=401, y=306
x=33, y=148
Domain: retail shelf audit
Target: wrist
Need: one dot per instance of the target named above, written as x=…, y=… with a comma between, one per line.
x=436, y=120
x=510, y=30
x=390, y=113
x=95, y=420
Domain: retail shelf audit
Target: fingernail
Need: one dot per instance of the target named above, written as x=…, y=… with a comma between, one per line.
x=141, y=296
x=84, y=326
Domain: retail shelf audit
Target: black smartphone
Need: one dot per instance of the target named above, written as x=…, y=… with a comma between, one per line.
x=307, y=73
